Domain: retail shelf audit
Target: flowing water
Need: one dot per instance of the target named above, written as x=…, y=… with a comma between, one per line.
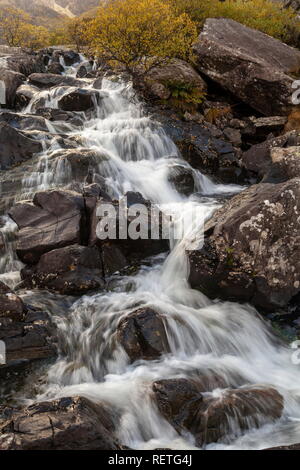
x=223, y=338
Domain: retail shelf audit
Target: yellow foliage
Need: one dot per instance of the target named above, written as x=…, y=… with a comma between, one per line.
x=35, y=37
x=12, y=22
x=141, y=34
x=264, y=15
x=16, y=30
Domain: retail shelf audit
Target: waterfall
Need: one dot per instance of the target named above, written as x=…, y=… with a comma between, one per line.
x=225, y=338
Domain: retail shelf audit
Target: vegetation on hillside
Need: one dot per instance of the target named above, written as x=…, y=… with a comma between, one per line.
x=16, y=29
x=141, y=34
x=264, y=15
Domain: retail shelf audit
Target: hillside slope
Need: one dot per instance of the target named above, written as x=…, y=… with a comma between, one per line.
x=45, y=11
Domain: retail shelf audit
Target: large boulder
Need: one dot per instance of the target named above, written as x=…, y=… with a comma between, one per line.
x=54, y=219
x=258, y=158
x=11, y=306
x=26, y=62
x=81, y=161
x=12, y=80
x=58, y=115
x=143, y=335
x=212, y=418
x=55, y=68
x=70, y=57
x=182, y=179
x=203, y=150
x=72, y=270
x=27, y=333
x=49, y=80
x=148, y=242
x=255, y=67
x=160, y=79
x=64, y=424
x=15, y=146
x=24, y=95
x=79, y=100
x=285, y=164
x=24, y=122
x=251, y=248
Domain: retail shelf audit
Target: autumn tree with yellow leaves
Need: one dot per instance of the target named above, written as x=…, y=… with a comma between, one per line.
x=17, y=31
x=140, y=34
x=77, y=32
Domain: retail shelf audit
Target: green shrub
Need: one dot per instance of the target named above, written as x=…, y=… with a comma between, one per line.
x=184, y=96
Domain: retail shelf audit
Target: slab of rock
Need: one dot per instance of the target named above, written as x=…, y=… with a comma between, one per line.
x=58, y=115
x=285, y=164
x=182, y=179
x=176, y=71
x=55, y=68
x=255, y=67
x=24, y=122
x=11, y=306
x=204, y=151
x=55, y=219
x=28, y=339
x=26, y=62
x=291, y=447
x=258, y=158
x=70, y=57
x=82, y=161
x=12, y=80
x=112, y=258
x=15, y=146
x=263, y=126
x=72, y=270
x=143, y=335
x=65, y=424
x=133, y=249
x=27, y=333
x=251, y=248
x=49, y=80
x=24, y=95
x=79, y=100
x=210, y=418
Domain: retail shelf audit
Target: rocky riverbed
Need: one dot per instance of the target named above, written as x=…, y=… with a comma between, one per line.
x=151, y=343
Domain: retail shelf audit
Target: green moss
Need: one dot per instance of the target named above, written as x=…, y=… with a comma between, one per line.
x=184, y=96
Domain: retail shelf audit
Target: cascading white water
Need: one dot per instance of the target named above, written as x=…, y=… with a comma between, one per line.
x=225, y=338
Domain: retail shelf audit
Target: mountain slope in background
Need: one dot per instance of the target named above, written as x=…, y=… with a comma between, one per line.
x=45, y=12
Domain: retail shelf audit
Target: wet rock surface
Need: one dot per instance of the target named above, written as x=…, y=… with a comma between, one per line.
x=15, y=146
x=143, y=335
x=12, y=80
x=48, y=80
x=160, y=79
x=65, y=424
x=210, y=418
x=258, y=158
x=28, y=333
x=72, y=270
x=251, y=248
x=259, y=71
x=79, y=100
x=53, y=220
x=204, y=151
